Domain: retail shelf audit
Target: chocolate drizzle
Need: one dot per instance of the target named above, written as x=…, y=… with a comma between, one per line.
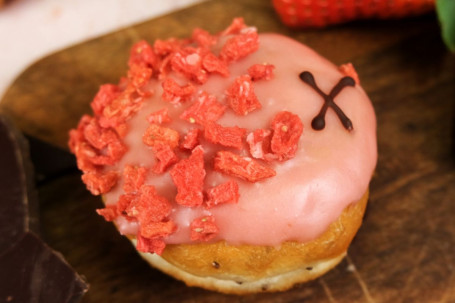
x=318, y=122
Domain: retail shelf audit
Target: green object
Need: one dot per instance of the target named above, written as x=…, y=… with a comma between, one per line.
x=446, y=15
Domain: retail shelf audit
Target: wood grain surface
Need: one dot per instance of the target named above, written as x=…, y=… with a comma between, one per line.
x=405, y=249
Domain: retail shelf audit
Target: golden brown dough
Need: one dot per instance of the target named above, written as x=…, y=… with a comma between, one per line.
x=249, y=269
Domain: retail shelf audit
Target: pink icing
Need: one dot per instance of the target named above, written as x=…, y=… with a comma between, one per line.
x=332, y=168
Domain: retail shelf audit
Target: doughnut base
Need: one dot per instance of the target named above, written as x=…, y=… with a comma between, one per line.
x=248, y=269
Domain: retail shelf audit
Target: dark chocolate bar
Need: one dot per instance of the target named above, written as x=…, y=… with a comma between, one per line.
x=30, y=271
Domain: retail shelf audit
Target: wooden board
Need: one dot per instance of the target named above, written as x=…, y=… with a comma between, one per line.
x=405, y=250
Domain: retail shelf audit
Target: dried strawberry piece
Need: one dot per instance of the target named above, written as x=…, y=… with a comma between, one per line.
x=151, y=210
x=224, y=193
x=188, y=62
x=149, y=207
x=237, y=25
x=165, y=157
x=108, y=156
x=121, y=109
x=188, y=176
x=109, y=212
x=213, y=64
x=174, y=93
x=77, y=135
x=203, y=229
x=261, y=71
x=109, y=149
x=139, y=75
x=287, y=129
x=143, y=54
x=156, y=135
x=134, y=177
x=159, y=117
x=99, y=183
x=191, y=139
x=240, y=46
x=203, y=38
x=83, y=162
x=124, y=202
x=259, y=143
x=106, y=94
x=226, y=136
x=166, y=47
x=97, y=136
x=165, y=67
x=205, y=108
x=242, y=167
x=349, y=70
x=241, y=97
x=121, y=130
x=146, y=245
x=157, y=229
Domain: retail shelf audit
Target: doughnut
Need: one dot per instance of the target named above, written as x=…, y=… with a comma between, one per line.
x=237, y=162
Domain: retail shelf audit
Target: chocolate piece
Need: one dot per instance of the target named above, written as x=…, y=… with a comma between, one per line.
x=50, y=161
x=19, y=206
x=33, y=272
x=318, y=122
x=30, y=271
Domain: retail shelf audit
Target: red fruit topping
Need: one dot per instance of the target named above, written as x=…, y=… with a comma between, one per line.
x=240, y=46
x=149, y=207
x=259, y=143
x=236, y=27
x=261, y=71
x=99, y=183
x=77, y=135
x=348, y=70
x=121, y=109
x=226, y=136
x=156, y=135
x=159, y=117
x=287, y=129
x=139, y=75
x=205, y=108
x=157, y=229
x=151, y=210
x=121, y=130
x=191, y=139
x=203, y=38
x=134, y=178
x=166, y=47
x=83, y=162
x=165, y=157
x=108, y=148
x=99, y=137
x=242, y=167
x=213, y=64
x=124, y=202
x=188, y=176
x=142, y=54
x=109, y=212
x=174, y=93
x=241, y=97
x=106, y=94
x=146, y=245
x=188, y=62
x=203, y=229
x=224, y=193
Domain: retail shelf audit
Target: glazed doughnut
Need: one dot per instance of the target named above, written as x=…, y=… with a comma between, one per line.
x=237, y=162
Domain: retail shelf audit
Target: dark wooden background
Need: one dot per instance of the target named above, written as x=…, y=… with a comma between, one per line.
x=404, y=251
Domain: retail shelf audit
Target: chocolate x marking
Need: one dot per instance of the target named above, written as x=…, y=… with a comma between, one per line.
x=318, y=122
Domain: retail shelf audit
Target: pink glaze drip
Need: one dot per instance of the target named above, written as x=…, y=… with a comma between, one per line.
x=332, y=168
